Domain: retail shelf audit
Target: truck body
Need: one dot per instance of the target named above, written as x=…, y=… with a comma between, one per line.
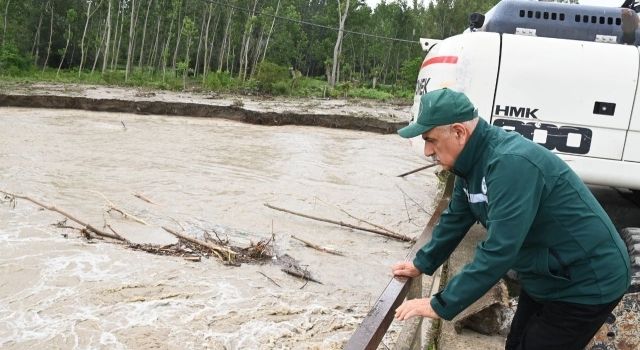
x=573, y=90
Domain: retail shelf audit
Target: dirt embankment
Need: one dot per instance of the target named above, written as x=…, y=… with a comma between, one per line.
x=373, y=116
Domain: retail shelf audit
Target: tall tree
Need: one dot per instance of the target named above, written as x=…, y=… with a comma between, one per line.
x=105, y=58
x=70, y=18
x=144, y=34
x=132, y=28
x=84, y=32
x=46, y=60
x=342, y=17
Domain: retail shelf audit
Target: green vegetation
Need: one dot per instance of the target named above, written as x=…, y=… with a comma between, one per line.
x=277, y=47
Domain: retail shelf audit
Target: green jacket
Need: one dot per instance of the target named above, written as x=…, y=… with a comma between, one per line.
x=541, y=221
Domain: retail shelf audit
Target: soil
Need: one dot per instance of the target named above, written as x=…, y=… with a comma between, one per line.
x=365, y=115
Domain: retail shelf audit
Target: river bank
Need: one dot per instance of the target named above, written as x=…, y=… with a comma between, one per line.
x=353, y=114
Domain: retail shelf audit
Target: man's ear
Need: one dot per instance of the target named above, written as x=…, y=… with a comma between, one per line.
x=460, y=132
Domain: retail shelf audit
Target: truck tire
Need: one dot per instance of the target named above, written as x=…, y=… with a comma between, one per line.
x=631, y=237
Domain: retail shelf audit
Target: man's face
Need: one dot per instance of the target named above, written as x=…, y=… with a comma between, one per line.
x=444, y=145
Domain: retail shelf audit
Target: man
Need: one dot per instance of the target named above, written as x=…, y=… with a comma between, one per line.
x=541, y=221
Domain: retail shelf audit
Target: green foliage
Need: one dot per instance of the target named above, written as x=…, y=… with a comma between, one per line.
x=372, y=94
x=409, y=71
x=268, y=75
x=12, y=62
x=219, y=81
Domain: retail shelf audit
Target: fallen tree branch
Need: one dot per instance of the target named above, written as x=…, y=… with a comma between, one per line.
x=225, y=253
x=361, y=220
x=142, y=197
x=413, y=200
x=317, y=247
x=113, y=207
x=270, y=279
x=419, y=169
x=68, y=216
x=382, y=233
x=300, y=274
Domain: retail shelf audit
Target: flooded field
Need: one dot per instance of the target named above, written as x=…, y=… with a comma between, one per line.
x=60, y=291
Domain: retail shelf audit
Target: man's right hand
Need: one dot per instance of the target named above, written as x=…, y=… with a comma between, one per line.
x=405, y=269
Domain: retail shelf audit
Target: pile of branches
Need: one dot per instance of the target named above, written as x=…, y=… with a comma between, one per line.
x=187, y=247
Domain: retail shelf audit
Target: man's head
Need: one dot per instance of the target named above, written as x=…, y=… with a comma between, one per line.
x=445, y=120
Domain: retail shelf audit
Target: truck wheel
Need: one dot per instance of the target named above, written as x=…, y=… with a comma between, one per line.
x=631, y=237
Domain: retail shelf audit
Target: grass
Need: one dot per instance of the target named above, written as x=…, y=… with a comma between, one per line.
x=221, y=82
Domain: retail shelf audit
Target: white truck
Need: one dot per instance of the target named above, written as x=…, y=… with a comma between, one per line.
x=574, y=94
x=566, y=77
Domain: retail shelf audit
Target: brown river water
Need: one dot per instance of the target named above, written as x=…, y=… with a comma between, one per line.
x=59, y=291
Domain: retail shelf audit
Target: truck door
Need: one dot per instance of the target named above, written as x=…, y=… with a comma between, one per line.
x=572, y=97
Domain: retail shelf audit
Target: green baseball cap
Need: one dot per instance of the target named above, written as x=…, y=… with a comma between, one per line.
x=440, y=107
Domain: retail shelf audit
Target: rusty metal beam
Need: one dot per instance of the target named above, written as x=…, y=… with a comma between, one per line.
x=370, y=332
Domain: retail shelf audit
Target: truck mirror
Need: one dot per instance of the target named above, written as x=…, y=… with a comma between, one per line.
x=476, y=20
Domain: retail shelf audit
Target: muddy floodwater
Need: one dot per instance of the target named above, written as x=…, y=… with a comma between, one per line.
x=60, y=291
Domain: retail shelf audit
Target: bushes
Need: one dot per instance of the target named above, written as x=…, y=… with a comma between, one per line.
x=273, y=79
x=12, y=62
x=219, y=81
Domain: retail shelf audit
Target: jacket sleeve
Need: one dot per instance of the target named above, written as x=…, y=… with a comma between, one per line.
x=453, y=225
x=514, y=191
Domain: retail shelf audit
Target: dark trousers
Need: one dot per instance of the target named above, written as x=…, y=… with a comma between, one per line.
x=555, y=325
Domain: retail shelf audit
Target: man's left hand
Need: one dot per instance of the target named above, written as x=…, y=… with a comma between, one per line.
x=416, y=307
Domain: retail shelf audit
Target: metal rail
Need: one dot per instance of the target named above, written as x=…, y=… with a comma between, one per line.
x=370, y=332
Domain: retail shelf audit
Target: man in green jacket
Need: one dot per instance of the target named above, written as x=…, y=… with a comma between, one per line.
x=541, y=221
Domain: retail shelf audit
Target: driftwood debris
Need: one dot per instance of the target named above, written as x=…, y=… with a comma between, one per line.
x=85, y=226
x=189, y=248
x=360, y=219
x=144, y=198
x=292, y=267
x=270, y=279
x=111, y=206
x=382, y=233
x=317, y=247
x=222, y=252
x=419, y=169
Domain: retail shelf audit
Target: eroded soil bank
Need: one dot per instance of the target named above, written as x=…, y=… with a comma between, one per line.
x=366, y=115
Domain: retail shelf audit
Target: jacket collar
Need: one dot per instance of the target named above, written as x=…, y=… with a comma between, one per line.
x=473, y=150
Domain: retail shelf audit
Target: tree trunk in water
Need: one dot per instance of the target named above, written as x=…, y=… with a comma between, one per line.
x=131, y=32
x=46, y=60
x=84, y=35
x=338, y=47
x=105, y=59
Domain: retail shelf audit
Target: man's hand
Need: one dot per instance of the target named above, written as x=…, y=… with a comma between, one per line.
x=416, y=307
x=405, y=269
